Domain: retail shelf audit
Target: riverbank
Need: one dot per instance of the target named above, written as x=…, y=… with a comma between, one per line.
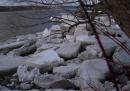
x=47, y=61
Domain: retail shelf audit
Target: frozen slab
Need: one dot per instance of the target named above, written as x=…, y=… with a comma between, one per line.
x=9, y=64
x=85, y=55
x=25, y=50
x=95, y=50
x=122, y=57
x=81, y=30
x=46, y=32
x=55, y=27
x=26, y=75
x=26, y=37
x=66, y=71
x=7, y=47
x=47, y=46
x=45, y=60
x=94, y=69
x=85, y=39
x=69, y=50
x=70, y=19
x=70, y=38
x=88, y=85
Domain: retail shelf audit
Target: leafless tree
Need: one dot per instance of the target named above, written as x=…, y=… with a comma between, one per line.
x=120, y=10
x=88, y=10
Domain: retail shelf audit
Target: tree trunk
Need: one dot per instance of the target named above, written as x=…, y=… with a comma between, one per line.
x=120, y=10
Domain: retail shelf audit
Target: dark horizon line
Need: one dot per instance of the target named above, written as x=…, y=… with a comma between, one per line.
x=26, y=7
x=20, y=8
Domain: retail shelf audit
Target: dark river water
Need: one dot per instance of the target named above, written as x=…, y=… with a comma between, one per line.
x=24, y=22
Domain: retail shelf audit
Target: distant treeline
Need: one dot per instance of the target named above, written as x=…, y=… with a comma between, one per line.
x=20, y=8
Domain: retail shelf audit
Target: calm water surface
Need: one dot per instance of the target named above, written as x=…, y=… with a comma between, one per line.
x=23, y=22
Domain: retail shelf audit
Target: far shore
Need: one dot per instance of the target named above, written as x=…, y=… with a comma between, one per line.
x=21, y=8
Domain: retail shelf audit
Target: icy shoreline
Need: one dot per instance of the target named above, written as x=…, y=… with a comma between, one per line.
x=46, y=61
